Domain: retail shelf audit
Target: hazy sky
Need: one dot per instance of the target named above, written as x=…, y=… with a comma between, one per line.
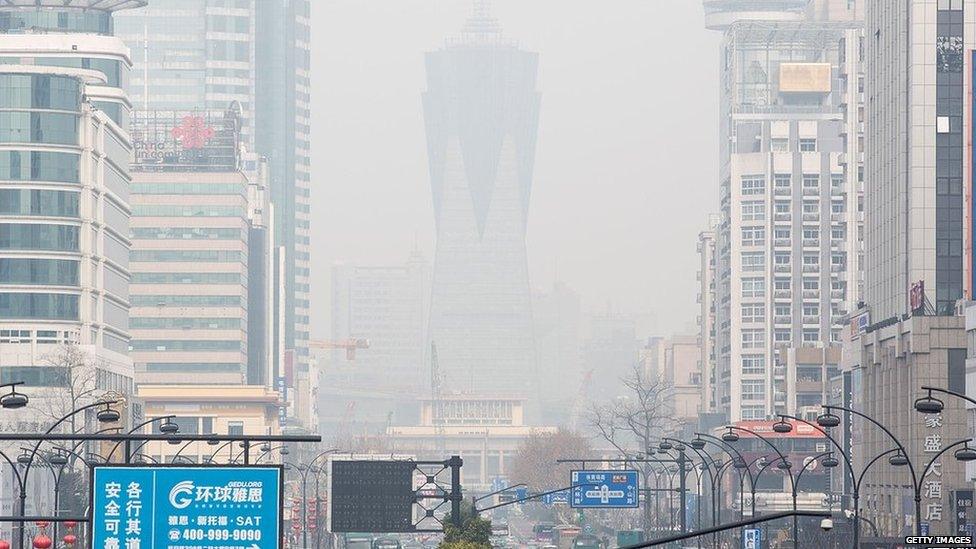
x=625, y=171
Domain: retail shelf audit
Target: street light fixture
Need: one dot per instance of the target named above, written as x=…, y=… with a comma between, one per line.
x=108, y=415
x=898, y=459
x=830, y=461
x=929, y=404
x=13, y=399
x=697, y=443
x=782, y=426
x=665, y=445
x=828, y=419
x=730, y=436
x=169, y=427
x=24, y=458
x=965, y=454
x=58, y=458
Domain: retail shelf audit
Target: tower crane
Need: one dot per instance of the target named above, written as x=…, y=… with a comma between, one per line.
x=350, y=345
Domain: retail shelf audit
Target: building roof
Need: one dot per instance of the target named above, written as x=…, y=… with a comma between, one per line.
x=102, y=5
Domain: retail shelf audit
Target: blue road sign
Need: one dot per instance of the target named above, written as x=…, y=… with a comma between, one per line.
x=157, y=507
x=521, y=492
x=557, y=497
x=752, y=538
x=605, y=489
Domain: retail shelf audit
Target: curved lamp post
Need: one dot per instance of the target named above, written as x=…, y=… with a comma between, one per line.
x=168, y=427
x=828, y=420
x=737, y=462
x=706, y=468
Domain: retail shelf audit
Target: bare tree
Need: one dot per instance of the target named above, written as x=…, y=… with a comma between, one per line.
x=73, y=384
x=535, y=464
x=633, y=424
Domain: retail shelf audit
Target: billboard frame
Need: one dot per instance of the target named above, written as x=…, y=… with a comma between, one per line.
x=281, y=487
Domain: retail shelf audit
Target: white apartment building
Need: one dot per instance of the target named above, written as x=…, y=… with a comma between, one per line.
x=782, y=245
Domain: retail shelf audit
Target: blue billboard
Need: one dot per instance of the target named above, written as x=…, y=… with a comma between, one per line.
x=605, y=489
x=191, y=507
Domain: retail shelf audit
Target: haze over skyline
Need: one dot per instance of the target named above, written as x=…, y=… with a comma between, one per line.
x=614, y=134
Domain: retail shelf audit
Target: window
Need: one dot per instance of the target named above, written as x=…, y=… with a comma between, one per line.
x=753, y=364
x=811, y=335
x=753, y=312
x=39, y=166
x=782, y=335
x=810, y=207
x=837, y=233
x=235, y=428
x=837, y=260
x=753, y=287
x=781, y=234
x=811, y=260
x=781, y=258
x=808, y=144
x=39, y=202
x=753, y=389
x=753, y=339
x=53, y=272
x=753, y=261
x=753, y=412
x=837, y=207
x=782, y=284
x=837, y=285
x=753, y=236
x=23, y=236
x=187, y=300
x=837, y=180
x=811, y=284
x=811, y=181
x=753, y=185
x=811, y=233
x=40, y=306
x=782, y=207
x=753, y=211
x=185, y=345
x=781, y=181
x=835, y=336
x=783, y=309
x=779, y=144
x=811, y=309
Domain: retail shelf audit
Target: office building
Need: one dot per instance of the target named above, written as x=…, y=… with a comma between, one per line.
x=557, y=320
x=64, y=178
x=917, y=251
x=387, y=306
x=206, y=54
x=781, y=246
x=202, y=290
x=481, y=109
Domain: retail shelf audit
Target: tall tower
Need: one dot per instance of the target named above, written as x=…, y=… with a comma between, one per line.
x=482, y=110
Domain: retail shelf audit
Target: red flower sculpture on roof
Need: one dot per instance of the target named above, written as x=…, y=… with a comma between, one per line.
x=192, y=132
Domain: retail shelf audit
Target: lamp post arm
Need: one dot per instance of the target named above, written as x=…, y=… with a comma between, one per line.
x=840, y=449
x=722, y=444
x=928, y=466
x=496, y=492
x=804, y=468
x=6, y=458
x=133, y=430
x=771, y=445
x=911, y=467
x=221, y=447
x=938, y=390
x=860, y=478
x=59, y=422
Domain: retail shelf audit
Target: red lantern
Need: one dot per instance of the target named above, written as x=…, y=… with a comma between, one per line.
x=4, y=544
x=67, y=524
x=42, y=542
x=70, y=539
x=42, y=523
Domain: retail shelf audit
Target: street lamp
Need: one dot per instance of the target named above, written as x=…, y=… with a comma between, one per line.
x=13, y=399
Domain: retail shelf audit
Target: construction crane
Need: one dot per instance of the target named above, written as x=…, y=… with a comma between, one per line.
x=350, y=345
x=435, y=398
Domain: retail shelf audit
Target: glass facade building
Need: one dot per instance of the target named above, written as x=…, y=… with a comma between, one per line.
x=481, y=110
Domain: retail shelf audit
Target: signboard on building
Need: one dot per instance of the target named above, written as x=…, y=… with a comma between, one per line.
x=162, y=506
x=604, y=489
x=752, y=538
x=962, y=504
x=860, y=323
x=371, y=496
x=804, y=77
x=765, y=429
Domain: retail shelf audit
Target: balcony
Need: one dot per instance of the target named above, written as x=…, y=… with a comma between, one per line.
x=811, y=294
x=782, y=268
x=782, y=294
x=782, y=191
x=811, y=217
x=811, y=268
x=781, y=242
x=783, y=320
x=837, y=294
x=811, y=191
x=782, y=217
x=810, y=319
x=838, y=190
x=811, y=242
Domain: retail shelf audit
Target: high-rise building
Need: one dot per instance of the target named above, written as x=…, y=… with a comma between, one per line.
x=205, y=54
x=781, y=247
x=917, y=260
x=386, y=305
x=557, y=319
x=64, y=191
x=481, y=110
x=202, y=261
x=192, y=55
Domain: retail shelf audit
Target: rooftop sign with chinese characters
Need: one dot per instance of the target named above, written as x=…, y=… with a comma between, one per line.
x=156, y=507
